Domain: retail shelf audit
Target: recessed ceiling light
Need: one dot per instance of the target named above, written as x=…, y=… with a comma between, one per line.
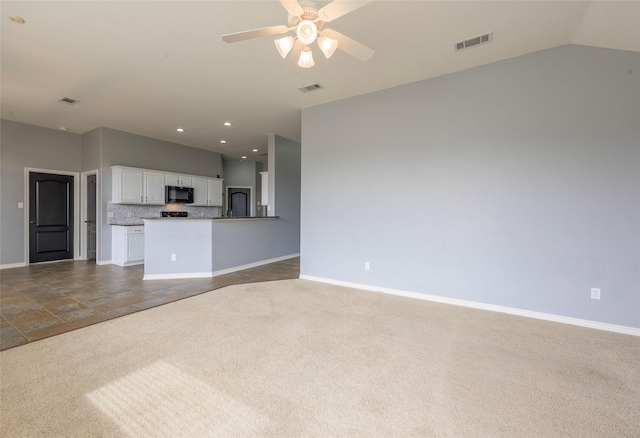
x=223, y=141
x=180, y=129
x=16, y=19
x=227, y=123
x=244, y=157
x=255, y=150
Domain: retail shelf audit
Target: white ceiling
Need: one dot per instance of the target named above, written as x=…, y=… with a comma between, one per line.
x=148, y=67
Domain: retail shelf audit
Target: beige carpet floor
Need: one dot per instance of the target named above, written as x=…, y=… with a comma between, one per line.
x=295, y=358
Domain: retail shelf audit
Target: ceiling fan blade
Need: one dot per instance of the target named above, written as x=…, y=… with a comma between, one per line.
x=338, y=8
x=351, y=46
x=255, y=33
x=295, y=55
x=292, y=7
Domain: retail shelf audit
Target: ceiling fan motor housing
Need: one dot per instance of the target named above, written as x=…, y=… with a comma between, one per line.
x=310, y=9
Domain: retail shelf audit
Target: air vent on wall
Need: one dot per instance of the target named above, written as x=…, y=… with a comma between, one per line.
x=475, y=41
x=68, y=101
x=310, y=88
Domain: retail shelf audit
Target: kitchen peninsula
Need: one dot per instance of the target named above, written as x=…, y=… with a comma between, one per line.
x=206, y=247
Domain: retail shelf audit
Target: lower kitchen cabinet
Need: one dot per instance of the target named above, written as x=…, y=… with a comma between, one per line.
x=127, y=245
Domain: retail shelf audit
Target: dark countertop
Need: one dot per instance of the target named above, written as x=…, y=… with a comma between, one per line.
x=224, y=218
x=137, y=222
x=246, y=217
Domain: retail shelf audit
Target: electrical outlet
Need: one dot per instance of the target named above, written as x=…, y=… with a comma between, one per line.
x=173, y=257
x=367, y=266
x=595, y=293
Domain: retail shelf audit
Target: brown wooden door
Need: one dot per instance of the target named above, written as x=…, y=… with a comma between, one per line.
x=50, y=217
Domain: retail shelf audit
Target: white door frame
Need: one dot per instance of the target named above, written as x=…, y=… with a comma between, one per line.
x=84, y=238
x=252, y=201
x=76, y=208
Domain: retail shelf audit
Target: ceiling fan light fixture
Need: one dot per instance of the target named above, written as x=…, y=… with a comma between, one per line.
x=306, y=58
x=284, y=45
x=307, y=32
x=327, y=45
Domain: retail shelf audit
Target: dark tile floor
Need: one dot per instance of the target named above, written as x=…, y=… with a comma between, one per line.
x=43, y=300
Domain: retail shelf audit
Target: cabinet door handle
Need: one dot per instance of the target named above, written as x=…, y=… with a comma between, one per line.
x=140, y=198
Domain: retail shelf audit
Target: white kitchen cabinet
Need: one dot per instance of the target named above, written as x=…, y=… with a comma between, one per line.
x=127, y=245
x=215, y=192
x=136, y=186
x=200, y=191
x=153, y=188
x=144, y=186
x=172, y=179
x=207, y=192
x=126, y=185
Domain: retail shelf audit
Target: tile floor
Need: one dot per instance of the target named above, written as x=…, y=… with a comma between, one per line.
x=47, y=299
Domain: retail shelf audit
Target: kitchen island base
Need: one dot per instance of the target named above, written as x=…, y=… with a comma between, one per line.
x=202, y=248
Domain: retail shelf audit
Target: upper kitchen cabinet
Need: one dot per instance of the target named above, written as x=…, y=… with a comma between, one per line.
x=137, y=186
x=153, y=188
x=172, y=179
x=207, y=192
x=126, y=185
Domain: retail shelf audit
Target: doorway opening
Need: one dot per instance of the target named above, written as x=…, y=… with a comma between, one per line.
x=89, y=226
x=51, y=216
x=239, y=201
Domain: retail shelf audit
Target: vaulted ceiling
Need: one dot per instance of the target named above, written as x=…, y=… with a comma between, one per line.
x=149, y=67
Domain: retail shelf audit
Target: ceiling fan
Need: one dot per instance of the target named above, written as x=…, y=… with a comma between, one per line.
x=307, y=21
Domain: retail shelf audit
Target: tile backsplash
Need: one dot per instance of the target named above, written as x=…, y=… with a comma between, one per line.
x=131, y=214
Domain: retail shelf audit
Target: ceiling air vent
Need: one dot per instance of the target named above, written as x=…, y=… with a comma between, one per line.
x=68, y=101
x=475, y=41
x=310, y=88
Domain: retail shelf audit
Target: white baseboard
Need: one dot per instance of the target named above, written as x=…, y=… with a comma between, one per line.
x=510, y=310
x=253, y=265
x=177, y=276
x=13, y=265
x=216, y=273
x=104, y=262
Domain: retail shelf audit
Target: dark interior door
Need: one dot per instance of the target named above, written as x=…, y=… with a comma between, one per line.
x=239, y=202
x=50, y=217
x=91, y=216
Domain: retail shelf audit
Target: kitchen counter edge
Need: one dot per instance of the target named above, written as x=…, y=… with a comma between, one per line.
x=207, y=218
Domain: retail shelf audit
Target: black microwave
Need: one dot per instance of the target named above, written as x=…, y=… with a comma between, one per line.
x=175, y=194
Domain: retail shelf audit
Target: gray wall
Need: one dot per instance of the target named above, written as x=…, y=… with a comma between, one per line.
x=91, y=150
x=239, y=173
x=122, y=148
x=284, y=184
x=21, y=146
x=515, y=184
